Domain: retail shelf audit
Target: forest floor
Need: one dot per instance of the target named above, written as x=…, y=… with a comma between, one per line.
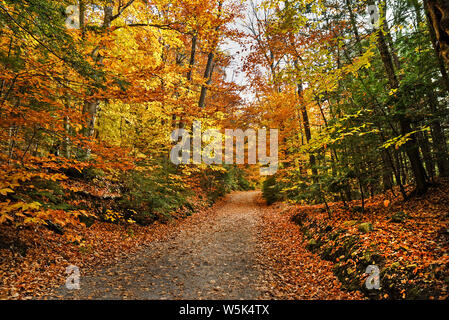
x=242, y=249
x=239, y=249
x=407, y=240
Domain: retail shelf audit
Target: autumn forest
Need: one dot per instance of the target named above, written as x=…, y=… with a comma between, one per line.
x=113, y=184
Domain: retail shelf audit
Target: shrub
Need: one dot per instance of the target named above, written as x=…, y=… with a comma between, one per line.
x=271, y=190
x=151, y=195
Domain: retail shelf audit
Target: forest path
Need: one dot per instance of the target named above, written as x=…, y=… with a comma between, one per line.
x=241, y=249
x=209, y=259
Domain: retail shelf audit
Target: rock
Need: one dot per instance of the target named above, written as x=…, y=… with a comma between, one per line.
x=444, y=232
x=311, y=244
x=365, y=227
x=412, y=266
x=350, y=223
x=88, y=221
x=395, y=265
x=56, y=228
x=377, y=258
x=357, y=209
x=399, y=217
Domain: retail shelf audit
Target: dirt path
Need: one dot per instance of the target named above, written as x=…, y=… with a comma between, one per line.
x=215, y=256
x=213, y=259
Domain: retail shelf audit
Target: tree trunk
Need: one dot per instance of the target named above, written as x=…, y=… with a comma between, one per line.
x=439, y=140
x=388, y=37
x=91, y=106
x=423, y=140
x=387, y=172
x=307, y=131
x=192, y=57
x=355, y=29
x=82, y=10
x=411, y=146
x=436, y=47
x=438, y=11
x=210, y=64
x=208, y=76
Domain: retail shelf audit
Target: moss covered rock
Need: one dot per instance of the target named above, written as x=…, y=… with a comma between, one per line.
x=350, y=223
x=399, y=217
x=312, y=244
x=365, y=227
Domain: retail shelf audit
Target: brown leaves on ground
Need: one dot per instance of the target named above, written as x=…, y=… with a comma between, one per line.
x=33, y=260
x=211, y=257
x=36, y=264
x=294, y=272
x=411, y=238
